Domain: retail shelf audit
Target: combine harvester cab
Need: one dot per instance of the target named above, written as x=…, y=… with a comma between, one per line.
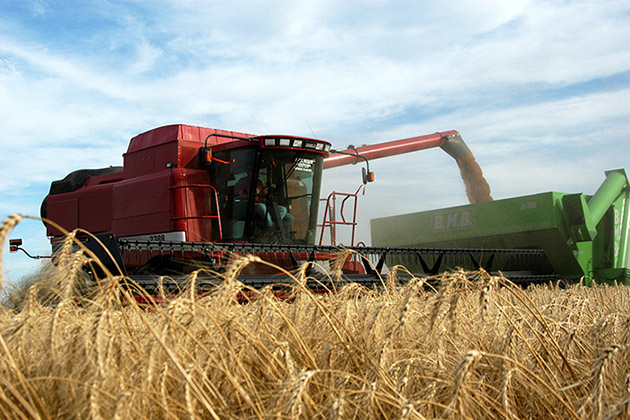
x=583, y=237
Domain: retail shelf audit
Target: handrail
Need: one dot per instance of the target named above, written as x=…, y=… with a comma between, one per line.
x=201, y=217
x=330, y=215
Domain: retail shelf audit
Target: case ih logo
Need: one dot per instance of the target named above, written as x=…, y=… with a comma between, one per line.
x=457, y=219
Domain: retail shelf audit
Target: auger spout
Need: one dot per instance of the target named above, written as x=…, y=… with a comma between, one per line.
x=451, y=142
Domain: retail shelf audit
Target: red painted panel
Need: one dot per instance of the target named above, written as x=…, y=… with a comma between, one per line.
x=188, y=155
x=153, y=159
x=95, y=209
x=104, y=179
x=176, y=132
x=153, y=137
x=63, y=210
x=194, y=204
x=142, y=205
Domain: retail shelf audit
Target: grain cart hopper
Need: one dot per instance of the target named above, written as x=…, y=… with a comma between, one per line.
x=581, y=235
x=199, y=194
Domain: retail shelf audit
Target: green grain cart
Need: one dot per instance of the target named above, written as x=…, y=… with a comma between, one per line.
x=583, y=237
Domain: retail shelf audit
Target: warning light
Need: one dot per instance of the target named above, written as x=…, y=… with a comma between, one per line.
x=14, y=245
x=368, y=176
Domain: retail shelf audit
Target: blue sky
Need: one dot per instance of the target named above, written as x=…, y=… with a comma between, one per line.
x=540, y=90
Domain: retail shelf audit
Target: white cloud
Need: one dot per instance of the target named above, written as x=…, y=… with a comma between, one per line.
x=319, y=68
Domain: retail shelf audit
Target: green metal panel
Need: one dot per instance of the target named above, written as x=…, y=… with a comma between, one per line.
x=607, y=193
x=581, y=235
x=610, y=246
x=521, y=222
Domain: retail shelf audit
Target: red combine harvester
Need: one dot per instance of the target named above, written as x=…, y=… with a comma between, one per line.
x=198, y=194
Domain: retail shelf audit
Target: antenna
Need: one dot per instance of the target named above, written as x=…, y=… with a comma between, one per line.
x=309, y=127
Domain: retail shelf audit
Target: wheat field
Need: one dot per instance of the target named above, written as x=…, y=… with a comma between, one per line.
x=475, y=347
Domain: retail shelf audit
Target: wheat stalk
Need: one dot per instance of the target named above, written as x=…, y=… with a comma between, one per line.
x=352, y=354
x=6, y=228
x=463, y=369
x=505, y=397
x=294, y=406
x=599, y=369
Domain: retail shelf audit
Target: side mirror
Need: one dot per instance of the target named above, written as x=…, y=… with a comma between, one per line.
x=205, y=156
